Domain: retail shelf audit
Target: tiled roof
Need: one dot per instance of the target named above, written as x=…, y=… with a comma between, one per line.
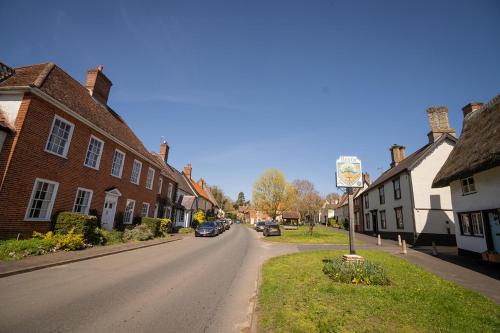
x=211, y=197
x=182, y=182
x=478, y=148
x=409, y=161
x=54, y=81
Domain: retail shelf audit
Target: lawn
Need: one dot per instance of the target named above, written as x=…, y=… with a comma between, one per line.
x=295, y=296
x=321, y=235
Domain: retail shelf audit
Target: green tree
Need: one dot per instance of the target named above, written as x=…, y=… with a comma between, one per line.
x=240, y=201
x=271, y=193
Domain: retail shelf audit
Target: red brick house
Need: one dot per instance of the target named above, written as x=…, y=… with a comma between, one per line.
x=65, y=149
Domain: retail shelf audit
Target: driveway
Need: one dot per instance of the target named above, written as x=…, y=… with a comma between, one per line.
x=193, y=285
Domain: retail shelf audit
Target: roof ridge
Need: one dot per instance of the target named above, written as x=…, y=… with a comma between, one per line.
x=44, y=74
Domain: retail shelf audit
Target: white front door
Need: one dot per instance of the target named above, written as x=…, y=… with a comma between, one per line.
x=109, y=211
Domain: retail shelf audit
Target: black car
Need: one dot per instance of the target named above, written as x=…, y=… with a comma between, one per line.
x=207, y=229
x=220, y=226
x=260, y=226
x=271, y=229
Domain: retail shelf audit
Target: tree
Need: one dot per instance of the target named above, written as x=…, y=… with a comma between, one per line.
x=331, y=197
x=240, y=201
x=199, y=217
x=271, y=192
x=307, y=201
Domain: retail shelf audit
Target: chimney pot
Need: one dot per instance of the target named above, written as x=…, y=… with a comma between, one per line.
x=98, y=84
x=472, y=106
x=187, y=170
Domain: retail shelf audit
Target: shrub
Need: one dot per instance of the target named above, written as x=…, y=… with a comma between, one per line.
x=165, y=227
x=80, y=224
x=140, y=232
x=355, y=272
x=153, y=224
x=119, y=221
x=109, y=237
x=68, y=242
x=185, y=230
x=199, y=217
x=16, y=249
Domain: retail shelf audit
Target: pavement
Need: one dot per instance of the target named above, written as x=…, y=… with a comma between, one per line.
x=191, y=285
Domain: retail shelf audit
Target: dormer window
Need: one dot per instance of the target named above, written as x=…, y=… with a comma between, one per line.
x=468, y=186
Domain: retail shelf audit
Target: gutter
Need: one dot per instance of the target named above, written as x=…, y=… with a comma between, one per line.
x=46, y=97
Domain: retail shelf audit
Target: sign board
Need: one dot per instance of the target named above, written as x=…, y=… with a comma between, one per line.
x=349, y=172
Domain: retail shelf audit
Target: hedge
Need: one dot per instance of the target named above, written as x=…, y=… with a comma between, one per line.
x=80, y=223
x=153, y=224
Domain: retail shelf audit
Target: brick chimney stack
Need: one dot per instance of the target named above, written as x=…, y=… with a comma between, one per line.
x=438, y=120
x=98, y=84
x=472, y=106
x=188, y=169
x=397, y=154
x=164, y=149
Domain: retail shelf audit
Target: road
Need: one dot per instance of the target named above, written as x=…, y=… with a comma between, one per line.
x=192, y=285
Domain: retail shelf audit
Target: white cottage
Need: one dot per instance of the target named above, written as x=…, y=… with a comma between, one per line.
x=402, y=201
x=473, y=173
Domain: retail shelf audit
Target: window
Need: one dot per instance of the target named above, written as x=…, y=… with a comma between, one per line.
x=356, y=218
x=168, y=212
x=117, y=165
x=381, y=195
x=170, y=189
x=397, y=189
x=471, y=224
x=129, y=212
x=42, y=200
x=155, y=214
x=145, y=209
x=468, y=186
x=399, y=218
x=60, y=137
x=82, y=200
x=383, y=220
x=136, y=172
x=149, y=180
x=161, y=185
x=94, y=152
x=367, y=202
x=367, y=221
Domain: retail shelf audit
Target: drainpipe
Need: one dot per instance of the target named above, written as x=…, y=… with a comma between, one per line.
x=413, y=209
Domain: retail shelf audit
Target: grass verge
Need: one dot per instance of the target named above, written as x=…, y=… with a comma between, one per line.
x=321, y=235
x=296, y=296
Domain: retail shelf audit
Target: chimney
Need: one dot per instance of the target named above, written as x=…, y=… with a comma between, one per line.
x=472, y=106
x=438, y=120
x=397, y=154
x=98, y=84
x=201, y=182
x=187, y=170
x=366, y=176
x=164, y=148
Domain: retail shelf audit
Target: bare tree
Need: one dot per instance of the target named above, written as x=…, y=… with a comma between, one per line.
x=331, y=197
x=307, y=201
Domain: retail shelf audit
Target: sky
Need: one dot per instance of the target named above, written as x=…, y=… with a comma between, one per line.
x=238, y=87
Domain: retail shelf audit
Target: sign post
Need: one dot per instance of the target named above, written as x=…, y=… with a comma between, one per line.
x=350, y=176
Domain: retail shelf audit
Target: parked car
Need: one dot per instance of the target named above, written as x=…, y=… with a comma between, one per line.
x=207, y=229
x=238, y=222
x=259, y=226
x=220, y=226
x=227, y=225
x=271, y=229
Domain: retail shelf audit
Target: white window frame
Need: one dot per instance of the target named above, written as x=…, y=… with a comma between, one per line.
x=150, y=178
x=470, y=187
x=78, y=189
x=477, y=225
x=368, y=224
x=121, y=167
x=170, y=190
x=51, y=204
x=131, y=218
x=145, y=204
x=70, y=135
x=98, y=161
x=161, y=185
x=138, y=174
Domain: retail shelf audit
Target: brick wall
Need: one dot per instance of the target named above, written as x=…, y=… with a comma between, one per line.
x=24, y=159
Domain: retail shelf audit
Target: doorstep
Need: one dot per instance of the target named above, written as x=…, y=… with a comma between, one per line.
x=34, y=263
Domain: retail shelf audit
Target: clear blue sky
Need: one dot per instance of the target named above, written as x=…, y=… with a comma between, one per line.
x=237, y=87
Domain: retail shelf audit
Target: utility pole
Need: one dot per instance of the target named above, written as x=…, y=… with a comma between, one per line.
x=352, y=250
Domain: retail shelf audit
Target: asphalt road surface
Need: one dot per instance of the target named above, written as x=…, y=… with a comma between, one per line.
x=192, y=285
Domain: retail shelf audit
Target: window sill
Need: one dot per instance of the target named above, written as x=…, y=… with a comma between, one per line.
x=91, y=167
x=119, y=177
x=475, y=236
x=55, y=154
x=37, y=220
x=468, y=193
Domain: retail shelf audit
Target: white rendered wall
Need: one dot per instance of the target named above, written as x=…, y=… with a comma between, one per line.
x=9, y=105
x=487, y=196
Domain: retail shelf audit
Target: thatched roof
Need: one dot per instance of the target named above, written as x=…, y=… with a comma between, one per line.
x=478, y=148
